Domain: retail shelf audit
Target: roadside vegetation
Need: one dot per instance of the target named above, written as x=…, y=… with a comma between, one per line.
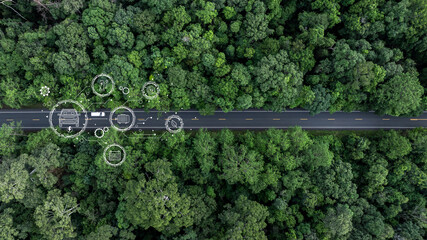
x=323, y=55
x=215, y=185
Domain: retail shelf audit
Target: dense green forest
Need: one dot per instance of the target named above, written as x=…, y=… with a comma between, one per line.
x=322, y=55
x=271, y=184
x=336, y=55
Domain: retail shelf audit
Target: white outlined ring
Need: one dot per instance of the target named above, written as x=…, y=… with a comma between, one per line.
x=122, y=160
x=93, y=85
x=125, y=90
x=181, y=124
x=122, y=129
x=144, y=89
x=99, y=136
x=53, y=110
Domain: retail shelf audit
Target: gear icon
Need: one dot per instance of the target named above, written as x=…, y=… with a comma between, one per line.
x=44, y=91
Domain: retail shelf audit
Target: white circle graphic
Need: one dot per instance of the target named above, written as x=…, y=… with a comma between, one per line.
x=93, y=85
x=174, y=124
x=99, y=130
x=132, y=123
x=51, y=117
x=111, y=156
x=150, y=90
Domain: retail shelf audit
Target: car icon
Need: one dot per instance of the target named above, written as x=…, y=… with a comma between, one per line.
x=123, y=119
x=68, y=117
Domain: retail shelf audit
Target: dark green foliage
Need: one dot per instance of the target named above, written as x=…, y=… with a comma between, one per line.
x=218, y=185
x=324, y=55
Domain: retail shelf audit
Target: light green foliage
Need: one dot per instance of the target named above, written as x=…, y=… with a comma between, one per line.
x=245, y=219
x=207, y=12
x=256, y=23
x=43, y=162
x=279, y=80
x=228, y=12
x=7, y=232
x=338, y=221
x=8, y=138
x=204, y=147
x=318, y=154
x=53, y=217
x=218, y=184
x=401, y=95
x=72, y=42
x=155, y=202
x=14, y=179
x=97, y=21
x=240, y=165
x=321, y=55
x=394, y=145
x=11, y=93
x=120, y=35
x=104, y=232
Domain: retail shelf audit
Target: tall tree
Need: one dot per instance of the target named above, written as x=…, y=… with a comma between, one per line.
x=401, y=95
x=53, y=217
x=156, y=202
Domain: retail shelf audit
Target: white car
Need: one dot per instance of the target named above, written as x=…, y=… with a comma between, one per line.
x=97, y=114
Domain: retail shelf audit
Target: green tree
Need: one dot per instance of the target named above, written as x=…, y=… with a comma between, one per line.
x=256, y=23
x=53, y=217
x=321, y=102
x=14, y=179
x=7, y=231
x=9, y=138
x=279, y=80
x=400, y=95
x=240, y=165
x=205, y=148
x=43, y=162
x=394, y=145
x=207, y=12
x=318, y=155
x=338, y=221
x=156, y=202
x=245, y=220
x=104, y=232
x=72, y=41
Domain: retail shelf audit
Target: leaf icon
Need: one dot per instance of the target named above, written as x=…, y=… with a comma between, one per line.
x=174, y=124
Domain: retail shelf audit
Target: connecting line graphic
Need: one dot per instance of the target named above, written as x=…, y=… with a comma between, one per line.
x=80, y=92
x=144, y=135
x=100, y=103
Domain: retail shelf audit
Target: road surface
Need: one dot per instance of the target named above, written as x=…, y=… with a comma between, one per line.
x=36, y=119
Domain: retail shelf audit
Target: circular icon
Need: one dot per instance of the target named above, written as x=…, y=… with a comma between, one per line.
x=68, y=119
x=114, y=155
x=100, y=84
x=123, y=120
x=124, y=90
x=174, y=124
x=106, y=129
x=150, y=90
x=99, y=133
x=44, y=91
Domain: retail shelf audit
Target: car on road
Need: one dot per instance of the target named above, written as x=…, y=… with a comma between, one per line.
x=123, y=119
x=97, y=114
x=68, y=117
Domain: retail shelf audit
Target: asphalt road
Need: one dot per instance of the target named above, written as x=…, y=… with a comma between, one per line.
x=252, y=119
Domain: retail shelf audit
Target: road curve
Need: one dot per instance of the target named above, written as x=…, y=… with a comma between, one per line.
x=36, y=119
